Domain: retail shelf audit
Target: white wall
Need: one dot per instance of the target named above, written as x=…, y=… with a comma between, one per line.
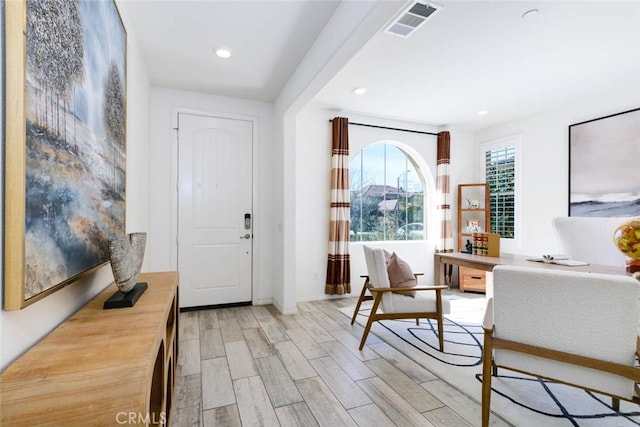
x=137, y=208
x=545, y=156
x=464, y=159
x=350, y=27
x=21, y=329
x=313, y=166
x=164, y=106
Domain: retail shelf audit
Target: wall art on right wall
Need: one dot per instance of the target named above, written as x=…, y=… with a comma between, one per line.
x=604, y=166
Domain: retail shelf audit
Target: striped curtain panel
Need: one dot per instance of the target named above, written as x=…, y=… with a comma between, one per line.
x=443, y=190
x=338, y=264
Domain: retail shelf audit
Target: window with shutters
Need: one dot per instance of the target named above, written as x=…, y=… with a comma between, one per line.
x=500, y=169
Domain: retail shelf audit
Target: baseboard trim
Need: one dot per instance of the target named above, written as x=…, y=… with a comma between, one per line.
x=214, y=306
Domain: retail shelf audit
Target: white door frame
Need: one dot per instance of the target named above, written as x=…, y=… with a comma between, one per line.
x=254, y=182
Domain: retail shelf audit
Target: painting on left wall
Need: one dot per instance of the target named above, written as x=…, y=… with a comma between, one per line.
x=65, y=143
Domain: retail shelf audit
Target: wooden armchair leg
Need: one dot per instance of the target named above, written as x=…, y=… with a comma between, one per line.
x=487, y=363
x=372, y=318
x=615, y=404
x=360, y=299
x=440, y=321
x=366, y=332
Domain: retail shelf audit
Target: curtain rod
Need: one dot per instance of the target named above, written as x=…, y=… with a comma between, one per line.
x=390, y=128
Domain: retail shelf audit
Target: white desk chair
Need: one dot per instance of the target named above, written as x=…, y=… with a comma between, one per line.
x=589, y=239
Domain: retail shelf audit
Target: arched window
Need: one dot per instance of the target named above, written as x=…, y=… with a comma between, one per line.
x=387, y=195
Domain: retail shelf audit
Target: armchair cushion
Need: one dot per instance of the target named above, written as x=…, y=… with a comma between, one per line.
x=401, y=275
x=387, y=256
x=423, y=301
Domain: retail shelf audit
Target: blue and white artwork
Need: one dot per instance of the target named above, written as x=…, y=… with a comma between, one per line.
x=604, y=166
x=75, y=138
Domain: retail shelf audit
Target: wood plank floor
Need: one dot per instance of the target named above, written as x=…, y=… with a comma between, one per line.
x=251, y=366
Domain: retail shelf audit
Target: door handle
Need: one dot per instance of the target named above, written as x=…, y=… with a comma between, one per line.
x=246, y=236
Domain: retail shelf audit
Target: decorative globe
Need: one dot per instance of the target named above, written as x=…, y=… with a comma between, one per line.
x=627, y=240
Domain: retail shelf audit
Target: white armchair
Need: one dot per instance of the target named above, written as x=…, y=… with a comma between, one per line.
x=576, y=328
x=388, y=304
x=589, y=239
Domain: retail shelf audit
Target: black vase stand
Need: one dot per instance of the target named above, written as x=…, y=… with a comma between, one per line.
x=121, y=300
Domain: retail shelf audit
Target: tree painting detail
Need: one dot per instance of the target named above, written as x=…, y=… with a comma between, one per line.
x=75, y=141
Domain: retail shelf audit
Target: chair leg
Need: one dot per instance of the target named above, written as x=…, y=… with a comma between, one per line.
x=615, y=404
x=372, y=317
x=440, y=333
x=364, y=290
x=417, y=321
x=440, y=321
x=486, y=377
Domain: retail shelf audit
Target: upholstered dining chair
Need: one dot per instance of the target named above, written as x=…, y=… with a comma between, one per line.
x=576, y=328
x=390, y=302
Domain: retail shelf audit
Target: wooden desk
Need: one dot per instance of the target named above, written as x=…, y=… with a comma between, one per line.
x=486, y=263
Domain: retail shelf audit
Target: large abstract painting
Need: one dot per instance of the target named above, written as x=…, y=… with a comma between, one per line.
x=604, y=166
x=66, y=148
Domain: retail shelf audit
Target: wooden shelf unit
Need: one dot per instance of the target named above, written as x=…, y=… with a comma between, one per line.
x=480, y=193
x=100, y=367
x=471, y=279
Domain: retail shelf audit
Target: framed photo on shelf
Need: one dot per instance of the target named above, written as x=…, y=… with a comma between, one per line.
x=473, y=226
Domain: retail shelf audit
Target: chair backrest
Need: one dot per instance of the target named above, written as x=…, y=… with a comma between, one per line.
x=588, y=314
x=378, y=275
x=589, y=239
x=376, y=267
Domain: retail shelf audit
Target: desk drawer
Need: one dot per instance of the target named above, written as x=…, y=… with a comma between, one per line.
x=471, y=279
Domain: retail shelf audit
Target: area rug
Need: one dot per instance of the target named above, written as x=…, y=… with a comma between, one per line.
x=521, y=400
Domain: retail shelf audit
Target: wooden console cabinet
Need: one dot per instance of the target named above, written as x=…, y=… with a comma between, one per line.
x=100, y=367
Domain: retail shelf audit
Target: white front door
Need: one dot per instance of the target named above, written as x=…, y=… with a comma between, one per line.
x=215, y=217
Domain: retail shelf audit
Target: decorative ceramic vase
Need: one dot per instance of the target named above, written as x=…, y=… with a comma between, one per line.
x=627, y=240
x=126, y=254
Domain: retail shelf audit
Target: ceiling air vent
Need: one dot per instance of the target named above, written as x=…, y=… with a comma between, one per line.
x=410, y=19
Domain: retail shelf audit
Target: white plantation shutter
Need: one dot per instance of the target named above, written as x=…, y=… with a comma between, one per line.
x=500, y=174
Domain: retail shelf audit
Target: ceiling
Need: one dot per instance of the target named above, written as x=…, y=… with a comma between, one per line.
x=267, y=39
x=469, y=56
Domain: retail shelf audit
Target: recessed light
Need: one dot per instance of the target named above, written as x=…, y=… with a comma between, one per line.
x=483, y=112
x=360, y=90
x=223, y=53
x=530, y=14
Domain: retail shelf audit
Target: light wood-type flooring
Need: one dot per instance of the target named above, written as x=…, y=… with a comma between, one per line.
x=251, y=366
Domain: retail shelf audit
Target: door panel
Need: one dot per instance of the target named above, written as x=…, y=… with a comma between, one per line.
x=214, y=194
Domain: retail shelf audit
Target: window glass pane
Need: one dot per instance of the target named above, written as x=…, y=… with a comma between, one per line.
x=387, y=196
